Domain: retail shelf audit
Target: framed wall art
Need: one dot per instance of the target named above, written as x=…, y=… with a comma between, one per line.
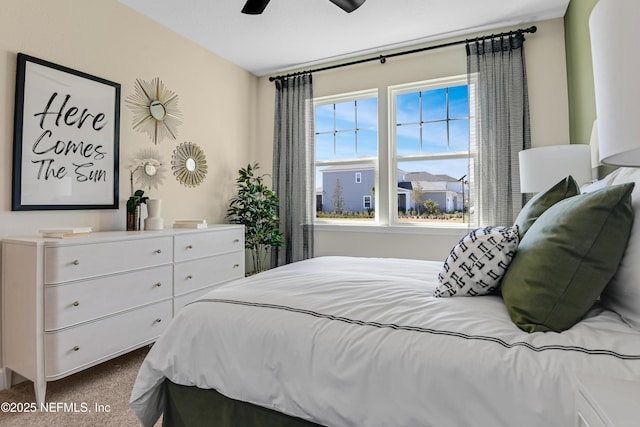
x=66, y=138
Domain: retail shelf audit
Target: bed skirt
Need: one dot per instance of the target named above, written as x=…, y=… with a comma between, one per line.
x=192, y=406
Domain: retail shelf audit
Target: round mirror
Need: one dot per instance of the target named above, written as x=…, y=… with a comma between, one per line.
x=189, y=164
x=157, y=110
x=150, y=169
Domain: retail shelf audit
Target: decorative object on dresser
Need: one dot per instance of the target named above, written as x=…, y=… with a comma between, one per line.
x=70, y=304
x=155, y=110
x=190, y=223
x=65, y=232
x=133, y=209
x=189, y=164
x=66, y=138
x=154, y=221
x=255, y=207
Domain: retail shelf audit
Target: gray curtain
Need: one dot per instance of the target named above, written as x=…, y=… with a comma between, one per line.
x=293, y=174
x=496, y=69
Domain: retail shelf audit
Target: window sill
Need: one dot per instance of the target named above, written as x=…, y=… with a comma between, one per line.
x=448, y=230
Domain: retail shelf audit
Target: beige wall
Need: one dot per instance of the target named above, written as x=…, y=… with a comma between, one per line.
x=547, y=79
x=109, y=40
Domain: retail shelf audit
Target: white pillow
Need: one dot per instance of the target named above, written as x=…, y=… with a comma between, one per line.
x=622, y=294
x=477, y=263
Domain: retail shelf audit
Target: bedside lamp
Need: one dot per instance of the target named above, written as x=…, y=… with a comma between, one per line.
x=542, y=167
x=615, y=78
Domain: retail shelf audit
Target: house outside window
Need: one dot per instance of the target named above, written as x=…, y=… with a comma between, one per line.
x=358, y=177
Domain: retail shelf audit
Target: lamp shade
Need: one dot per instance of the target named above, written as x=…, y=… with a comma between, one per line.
x=543, y=167
x=615, y=73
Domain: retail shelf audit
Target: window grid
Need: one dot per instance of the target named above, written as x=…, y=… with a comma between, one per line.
x=422, y=122
x=355, y=130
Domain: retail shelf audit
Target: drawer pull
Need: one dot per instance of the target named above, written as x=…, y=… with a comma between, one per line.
x=75, y=262
x=236, y=240
x=158, y=320
x=76, y=303
x=189, y=246
x=189, y=277
x=157, y=285
x=76, y=348
x=158, y=251
x=236, y=265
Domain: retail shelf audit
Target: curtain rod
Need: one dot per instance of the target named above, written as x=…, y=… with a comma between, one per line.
x=383, y=58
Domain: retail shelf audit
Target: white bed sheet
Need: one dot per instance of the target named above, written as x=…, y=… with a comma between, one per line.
x=347, y=341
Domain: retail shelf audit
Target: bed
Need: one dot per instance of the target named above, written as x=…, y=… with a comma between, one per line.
x=351, y=341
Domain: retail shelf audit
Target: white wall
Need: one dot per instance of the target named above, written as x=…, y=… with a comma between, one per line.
x=546, y=72
x=109, y=40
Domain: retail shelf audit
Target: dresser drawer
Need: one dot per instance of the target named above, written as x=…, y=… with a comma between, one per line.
x=196, y=274
x=207, y=243
x=77, y=302
x=90, y=343
x=74, y=262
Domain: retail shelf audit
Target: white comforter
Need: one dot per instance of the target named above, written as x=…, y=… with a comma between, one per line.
x=362, y=342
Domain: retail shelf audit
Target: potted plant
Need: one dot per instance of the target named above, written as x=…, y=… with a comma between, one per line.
x=255, y=207
x=133, y=209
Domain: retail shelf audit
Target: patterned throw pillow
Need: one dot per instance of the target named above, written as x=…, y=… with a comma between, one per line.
x=477, y=263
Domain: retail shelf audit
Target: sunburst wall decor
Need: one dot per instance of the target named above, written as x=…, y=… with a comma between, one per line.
x=147, y=169
x=155, y=110
x=189, y=164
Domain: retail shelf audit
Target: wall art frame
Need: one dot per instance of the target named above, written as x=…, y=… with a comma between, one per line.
x=66, y=145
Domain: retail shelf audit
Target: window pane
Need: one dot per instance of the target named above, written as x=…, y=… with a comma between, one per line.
x=368, y=113
x=408, y=108
x=434, y=138
x=324, y=118
x=346, y=115
x=433, y=192
x=458, y=102
x=434, y=104
x=367, y=143
x=459, y=135
x=408, y=140
x=346, y=145
x=340, y=197
x=324, y=147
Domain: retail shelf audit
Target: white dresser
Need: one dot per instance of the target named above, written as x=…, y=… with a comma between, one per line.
x=68, y=304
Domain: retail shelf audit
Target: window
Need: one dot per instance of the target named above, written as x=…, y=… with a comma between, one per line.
x=424, y=155
x=346, y=138
x=430, y=123
x=366, y=202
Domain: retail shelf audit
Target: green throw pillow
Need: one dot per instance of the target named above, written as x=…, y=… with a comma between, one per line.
x=568, y=187
x=567, y=258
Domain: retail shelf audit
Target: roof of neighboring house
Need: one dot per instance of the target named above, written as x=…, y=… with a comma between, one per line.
x=425, y=187
x=426, y=176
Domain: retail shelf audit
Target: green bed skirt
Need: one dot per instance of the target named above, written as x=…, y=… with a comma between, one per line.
x=195, y=407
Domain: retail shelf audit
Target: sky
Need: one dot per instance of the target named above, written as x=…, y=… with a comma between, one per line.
x=410, y=111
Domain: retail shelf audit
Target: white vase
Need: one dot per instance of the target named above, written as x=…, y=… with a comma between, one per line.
x=153, y=221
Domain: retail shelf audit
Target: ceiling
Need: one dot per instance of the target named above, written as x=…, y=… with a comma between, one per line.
x=299, y=33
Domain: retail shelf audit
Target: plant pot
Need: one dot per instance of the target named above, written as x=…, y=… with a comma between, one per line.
x=133, y=220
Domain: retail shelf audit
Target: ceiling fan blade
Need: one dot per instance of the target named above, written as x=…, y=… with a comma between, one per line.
x=348, y=5
x=254, y=7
